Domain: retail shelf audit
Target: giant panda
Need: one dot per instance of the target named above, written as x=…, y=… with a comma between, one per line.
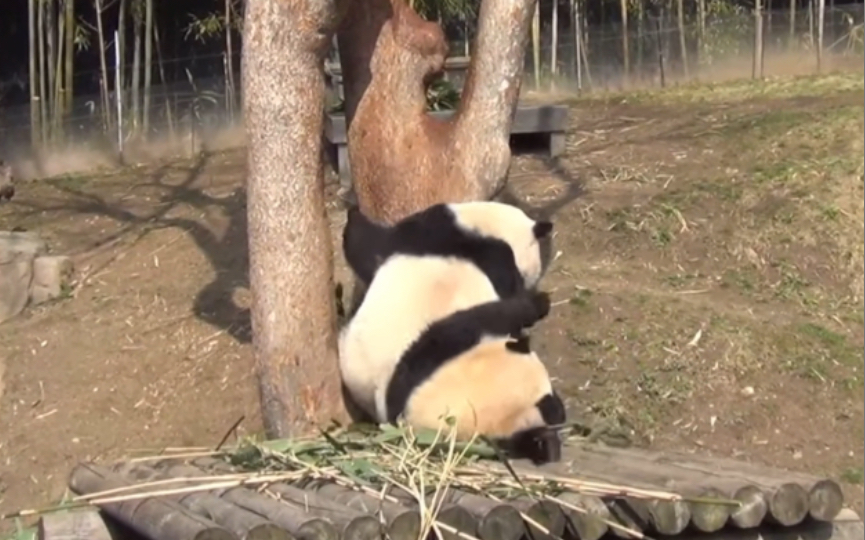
x=441, y=262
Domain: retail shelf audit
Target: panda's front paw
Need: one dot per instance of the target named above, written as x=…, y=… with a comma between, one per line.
x=540, y=303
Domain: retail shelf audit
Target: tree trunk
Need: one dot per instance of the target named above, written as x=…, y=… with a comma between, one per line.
x=757, y=64
x=641, y=46
x=683, y=45
x=35, y=97
x=395, y=149
x=536, y=45
x=68, y=89
x=626, y=55
x=168, y=116
x=554, y=49
x=229, y=59
x=50, y=60
x=290, y=254
x=821, y=15
x=792, y=40
x=57, y=91
x=106, y=107
x=701, y=36
x=137, y=24
x=43, y=94
x=120, y=76
x=148, y=63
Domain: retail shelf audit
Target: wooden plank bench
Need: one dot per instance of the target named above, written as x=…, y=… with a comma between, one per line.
x=548, y=120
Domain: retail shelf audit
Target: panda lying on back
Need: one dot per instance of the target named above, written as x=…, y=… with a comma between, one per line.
x=439, y=331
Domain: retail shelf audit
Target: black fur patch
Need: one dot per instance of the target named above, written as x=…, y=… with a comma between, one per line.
x=540, y=445
x=520, y=345
x=364, y=243
x=542, y=229
x=448, y=338
x=430, y=232
x=552, y=409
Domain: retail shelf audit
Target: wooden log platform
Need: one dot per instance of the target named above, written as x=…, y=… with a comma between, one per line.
x=773, y=504
x=530, y=118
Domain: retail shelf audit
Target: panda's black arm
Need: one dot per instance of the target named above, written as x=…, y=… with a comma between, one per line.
x=364, y=243
x=456, y=334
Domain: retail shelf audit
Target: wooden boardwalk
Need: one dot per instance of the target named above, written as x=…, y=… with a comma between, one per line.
x=774, y=503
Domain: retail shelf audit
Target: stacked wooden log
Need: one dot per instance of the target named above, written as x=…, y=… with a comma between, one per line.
x=312, y=508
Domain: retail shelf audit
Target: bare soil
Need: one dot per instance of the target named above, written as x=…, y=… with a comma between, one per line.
x=708, y=289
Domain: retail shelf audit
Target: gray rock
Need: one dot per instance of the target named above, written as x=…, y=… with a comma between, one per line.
x=17, y=252
x=50, y=274
x=16, y=273
x=28, y=243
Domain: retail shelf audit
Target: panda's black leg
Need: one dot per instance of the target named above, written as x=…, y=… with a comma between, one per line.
x=502, y=317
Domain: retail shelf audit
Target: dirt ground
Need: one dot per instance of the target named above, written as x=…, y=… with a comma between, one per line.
x=708, y=289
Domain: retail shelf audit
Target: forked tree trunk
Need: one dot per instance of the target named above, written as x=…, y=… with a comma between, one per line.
x=402, y=159
x=290, y=254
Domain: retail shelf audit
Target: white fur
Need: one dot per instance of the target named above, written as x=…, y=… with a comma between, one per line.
x=406, y=296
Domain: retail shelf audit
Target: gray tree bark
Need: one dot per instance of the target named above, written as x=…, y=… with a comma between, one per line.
x=290, y=254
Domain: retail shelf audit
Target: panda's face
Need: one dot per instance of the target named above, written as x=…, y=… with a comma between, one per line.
x=530, y=240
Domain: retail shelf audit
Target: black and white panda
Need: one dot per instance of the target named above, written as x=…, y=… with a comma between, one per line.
x=449, y=293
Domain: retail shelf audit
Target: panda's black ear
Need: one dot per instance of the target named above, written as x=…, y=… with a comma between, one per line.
x=542, y=229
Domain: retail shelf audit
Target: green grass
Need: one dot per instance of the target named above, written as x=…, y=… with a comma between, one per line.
x=853, y=475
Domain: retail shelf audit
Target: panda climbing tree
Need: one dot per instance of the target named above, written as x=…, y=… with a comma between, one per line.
x=397, y=162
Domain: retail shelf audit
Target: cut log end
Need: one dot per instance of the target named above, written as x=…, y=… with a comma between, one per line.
x=825, y=500
x=710, y=517
x=458, y=518
x=591, y=522
x=362, y=528
x=267, y=531
x=546, y=514
x=502, y=522
x=789, y=504
x=630, y=513
x=670, y=517
x=317, y=529
x=405, y=526
x=752, y=510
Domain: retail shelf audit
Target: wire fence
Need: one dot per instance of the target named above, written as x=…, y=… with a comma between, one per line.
x=655, y=50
